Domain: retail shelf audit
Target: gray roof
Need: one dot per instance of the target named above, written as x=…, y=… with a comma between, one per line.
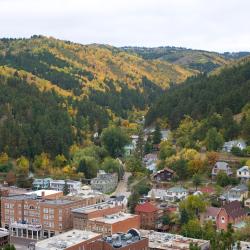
x=221, y=165
x=177, y=189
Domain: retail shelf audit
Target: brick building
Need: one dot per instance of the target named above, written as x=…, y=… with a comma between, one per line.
x=31, y=216
x=71, y=240
x=131, y=240
x=150, y=215
x=231, y=212
x=114, y=223
x=81, y=216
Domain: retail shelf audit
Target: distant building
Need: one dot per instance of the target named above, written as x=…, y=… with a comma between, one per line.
x=157, y=194
x=150, y=160
x=41, y=183
x=165, y=174
x=176, y=193
x=131, y=240
x=244, y=173
x=167, y=241
x=104, y=182
x=74, y=186
x=231, y=212
x=71, y=240
x=247, y=203
x=221, y=166
x=227, y=147
x=150, y=215
x=237, y=193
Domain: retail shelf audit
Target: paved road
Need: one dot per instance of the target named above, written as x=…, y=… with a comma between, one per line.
x=122, y=187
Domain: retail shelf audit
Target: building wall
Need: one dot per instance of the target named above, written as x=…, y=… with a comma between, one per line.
x=80, y=219
x=147, y=220
x=220, y=223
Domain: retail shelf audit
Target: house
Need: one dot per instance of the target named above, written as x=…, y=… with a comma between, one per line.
x=165, y=134
x=41, y=183
x=150, y=215
x=237, y=193
x=58, y=185
x=227, y=147
x=104, y=182
x=221, y=166
x=244, y=173
x=157, y=194
x=176, y=193
x=231, y=212
x=150, y=160
x=207, y=190
x=165, y=174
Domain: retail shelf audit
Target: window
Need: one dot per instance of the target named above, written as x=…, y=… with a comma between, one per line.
x=45, y=216
x=46, y=210
x=223, y=219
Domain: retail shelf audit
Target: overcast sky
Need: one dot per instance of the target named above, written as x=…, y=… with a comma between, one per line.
x=218, y=25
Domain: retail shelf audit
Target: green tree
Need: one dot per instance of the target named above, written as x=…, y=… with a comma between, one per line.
x=148, y=145
x=88, y=166
x=110, y=165
x=139, y=151
x=214, y=140
x=134, y=165
x=157, y=136
x=194, y=246
x=66, y=188
x=222, y=179
x=166, y=219
x=114, y=139
x=133, y=200
x=181, y=169
x=196, y=180
x=184, y=217
x=9, y=247
x=192, y=229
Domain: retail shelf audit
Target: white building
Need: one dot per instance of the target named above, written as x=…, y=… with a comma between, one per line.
x=243, y=173
x=157, y=193
x=58, y=185
x=176, y=193
x=227, y=147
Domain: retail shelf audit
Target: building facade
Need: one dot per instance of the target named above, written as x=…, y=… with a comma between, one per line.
x=29, y=216
x=104, y=182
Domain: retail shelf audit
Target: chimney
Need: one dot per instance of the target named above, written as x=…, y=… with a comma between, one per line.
x=43, y=195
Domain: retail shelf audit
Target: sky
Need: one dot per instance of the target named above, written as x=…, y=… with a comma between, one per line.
x=215, y=25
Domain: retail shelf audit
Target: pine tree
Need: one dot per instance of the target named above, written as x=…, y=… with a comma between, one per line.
x=139, y=151
x=66, y=188
x=157, y=134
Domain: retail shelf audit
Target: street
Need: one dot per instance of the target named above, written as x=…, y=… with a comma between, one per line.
x=122, y=187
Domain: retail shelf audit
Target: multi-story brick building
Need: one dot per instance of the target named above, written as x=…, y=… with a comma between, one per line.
x=82, y=215
x=150, y=215
x=31, y=216
x=114, y=223
x=123, y=241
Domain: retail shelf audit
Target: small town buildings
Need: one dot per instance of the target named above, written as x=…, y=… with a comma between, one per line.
x=244, y=173
x=150, y=161
x=157, y=194
x=237, y=193
x=113, y=223
x=231, y=212
x=31, y=216
x=71, y=240
x=243, y=245
x=81, y=216
x=165, y=174
x=221, y=166
x=46, y=194
x=150, y=215
x=41, y=183
x=104, y=182
x=131, y=240
x=176, y=193
x=4, y=238
x=227, y=147
x=74, y=186
x=167, y=241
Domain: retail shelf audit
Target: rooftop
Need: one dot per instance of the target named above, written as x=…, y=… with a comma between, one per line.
x=221, y=165
x=146, y=207
x=114, y=218
x=66, y=240
x=121, y=239
x=166, y=241
x=46, y=192
x=244, y=168
x=177, y=190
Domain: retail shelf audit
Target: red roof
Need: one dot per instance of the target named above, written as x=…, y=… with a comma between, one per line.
x=207, y=190
x=146, y=207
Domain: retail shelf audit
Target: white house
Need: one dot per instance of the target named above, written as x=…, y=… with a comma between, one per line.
x=243, y=173
x=157, y=193
x=58, y=185
x=176, y=193
x=227, y=147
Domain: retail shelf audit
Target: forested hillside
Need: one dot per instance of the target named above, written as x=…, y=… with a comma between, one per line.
x=108, y=76
x=202, y=95
x=200, y=60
